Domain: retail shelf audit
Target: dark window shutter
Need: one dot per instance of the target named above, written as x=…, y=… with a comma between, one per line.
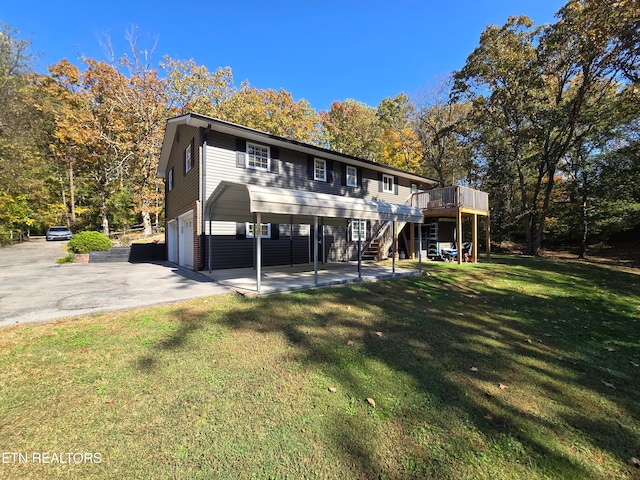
x=275, y=231
x=275, y=160
x=329, y=167
x=395, y=185
x=241, y=149
x=241, y=231
x=310, y=167
x=343, y=174
x=360, y=177
x=379, y=182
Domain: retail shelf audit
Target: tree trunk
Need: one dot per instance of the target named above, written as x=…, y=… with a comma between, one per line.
x=64, y=200
x=104, y=210
x=146, y=217
x=72, y=197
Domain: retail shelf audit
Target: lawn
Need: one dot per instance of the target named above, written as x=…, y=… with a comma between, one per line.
x=520, y=368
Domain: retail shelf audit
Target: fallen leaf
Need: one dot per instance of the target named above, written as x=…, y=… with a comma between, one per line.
x=528, y=340
x=502, y=386
x=379, y=334
x=488, y=416
x=607, y=384
x=474, y=369
x=350, y=343
x=333, y=389
x=348, y=307
x=371, y=402
x=634, y=462
x=610, y=349
x=635, y=364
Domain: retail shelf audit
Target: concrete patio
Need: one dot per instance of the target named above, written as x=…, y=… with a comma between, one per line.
x=284, y=278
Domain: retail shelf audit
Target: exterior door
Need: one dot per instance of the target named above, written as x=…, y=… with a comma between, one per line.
x=172, y=241
x=185, y=242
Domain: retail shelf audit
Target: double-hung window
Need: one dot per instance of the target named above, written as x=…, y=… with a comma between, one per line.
x=359, y=230
x=188, y=158
x=170, y=180
x=387, y=183
x=320, y=169
x=258, y=156
x=352, y=176
x=265, y=230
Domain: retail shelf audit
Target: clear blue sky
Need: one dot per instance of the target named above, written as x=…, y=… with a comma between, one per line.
x=319, y=50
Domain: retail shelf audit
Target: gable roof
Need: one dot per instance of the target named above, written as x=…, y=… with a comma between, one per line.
x=203, y=121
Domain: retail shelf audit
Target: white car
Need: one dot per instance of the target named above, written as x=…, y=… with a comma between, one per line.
x=59, y=233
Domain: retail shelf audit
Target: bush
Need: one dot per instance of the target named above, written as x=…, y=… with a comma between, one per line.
x=85, y=242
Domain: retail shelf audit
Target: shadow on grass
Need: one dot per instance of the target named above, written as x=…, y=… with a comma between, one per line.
x=556, y=322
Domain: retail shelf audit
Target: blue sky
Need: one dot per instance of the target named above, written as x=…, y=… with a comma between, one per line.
x=318, y=50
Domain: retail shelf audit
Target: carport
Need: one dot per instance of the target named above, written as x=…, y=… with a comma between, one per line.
x=259, y=204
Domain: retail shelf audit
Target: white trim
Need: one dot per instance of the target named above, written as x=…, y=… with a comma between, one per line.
x=257, y=146
x=358, y=232
x=249, y=230
x=354, y=176
x=387, y=179
x=316, y=163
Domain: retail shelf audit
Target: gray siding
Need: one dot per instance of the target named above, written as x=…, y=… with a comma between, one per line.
x=185, y=185
x=291, y=170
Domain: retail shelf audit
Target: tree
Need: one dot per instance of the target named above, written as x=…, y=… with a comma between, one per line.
x=271, y=111
x=352, y=128
x=193, y=88
x=441, y=128
x=401, y=145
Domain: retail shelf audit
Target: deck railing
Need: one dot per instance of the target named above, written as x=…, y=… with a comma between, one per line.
x=451, y=197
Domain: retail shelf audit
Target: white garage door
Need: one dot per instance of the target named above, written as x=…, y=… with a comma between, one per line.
x=185, y=242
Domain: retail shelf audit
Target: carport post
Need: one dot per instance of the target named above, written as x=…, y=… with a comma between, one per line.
x=393, y=247
x=359, y=248
x=315, y=250
x=420, y=248
x=257, y=231
x=209, y=244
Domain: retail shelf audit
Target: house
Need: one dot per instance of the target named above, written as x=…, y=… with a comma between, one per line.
x=237, y=197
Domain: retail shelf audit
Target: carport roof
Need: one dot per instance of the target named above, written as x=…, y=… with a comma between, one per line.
x=239, y=202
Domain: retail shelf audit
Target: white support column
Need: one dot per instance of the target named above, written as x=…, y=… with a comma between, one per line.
x=359, y=249
x=420, y=247
x=209, y=244
x=393, y=247
x=315, y=250
x=257, y=230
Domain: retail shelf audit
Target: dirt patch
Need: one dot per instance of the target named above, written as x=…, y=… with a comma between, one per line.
x=623, y=254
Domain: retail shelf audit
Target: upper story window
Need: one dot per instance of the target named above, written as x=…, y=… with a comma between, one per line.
x=188, y=157
x=387, y=183
x=170, y=180
x=320, y=169
x=258, y=156
x=352, y=176
x=265, y=230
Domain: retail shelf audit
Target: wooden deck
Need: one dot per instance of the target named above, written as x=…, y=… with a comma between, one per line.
x=457, y=202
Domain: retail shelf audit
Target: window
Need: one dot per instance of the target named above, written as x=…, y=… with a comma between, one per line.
x=265, y=230
x=359, y=230
x=414, y=188
x=352, y=176
x=188, y=158
x=320, y=169
x=258, y=156
x=387, y=183
x=170, y=179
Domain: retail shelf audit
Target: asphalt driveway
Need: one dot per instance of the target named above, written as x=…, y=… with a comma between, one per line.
x=33, y=288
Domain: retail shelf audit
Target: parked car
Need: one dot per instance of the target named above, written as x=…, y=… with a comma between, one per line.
x=59, y=233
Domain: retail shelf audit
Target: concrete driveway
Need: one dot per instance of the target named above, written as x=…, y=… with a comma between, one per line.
x=33, y=288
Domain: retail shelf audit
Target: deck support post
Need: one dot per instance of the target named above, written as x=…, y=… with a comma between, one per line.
x=394, y=246
x=459, y=235
x=474, y=239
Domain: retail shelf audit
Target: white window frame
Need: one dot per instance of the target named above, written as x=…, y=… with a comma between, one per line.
x=188, y=159
x=387, y=183
x=320, y=163
x=170, y=179
x=359, y=229
x=251, y=157
x=264, y=233
x=352, y=178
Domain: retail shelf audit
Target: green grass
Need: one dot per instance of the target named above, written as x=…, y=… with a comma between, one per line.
x=230, y=387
